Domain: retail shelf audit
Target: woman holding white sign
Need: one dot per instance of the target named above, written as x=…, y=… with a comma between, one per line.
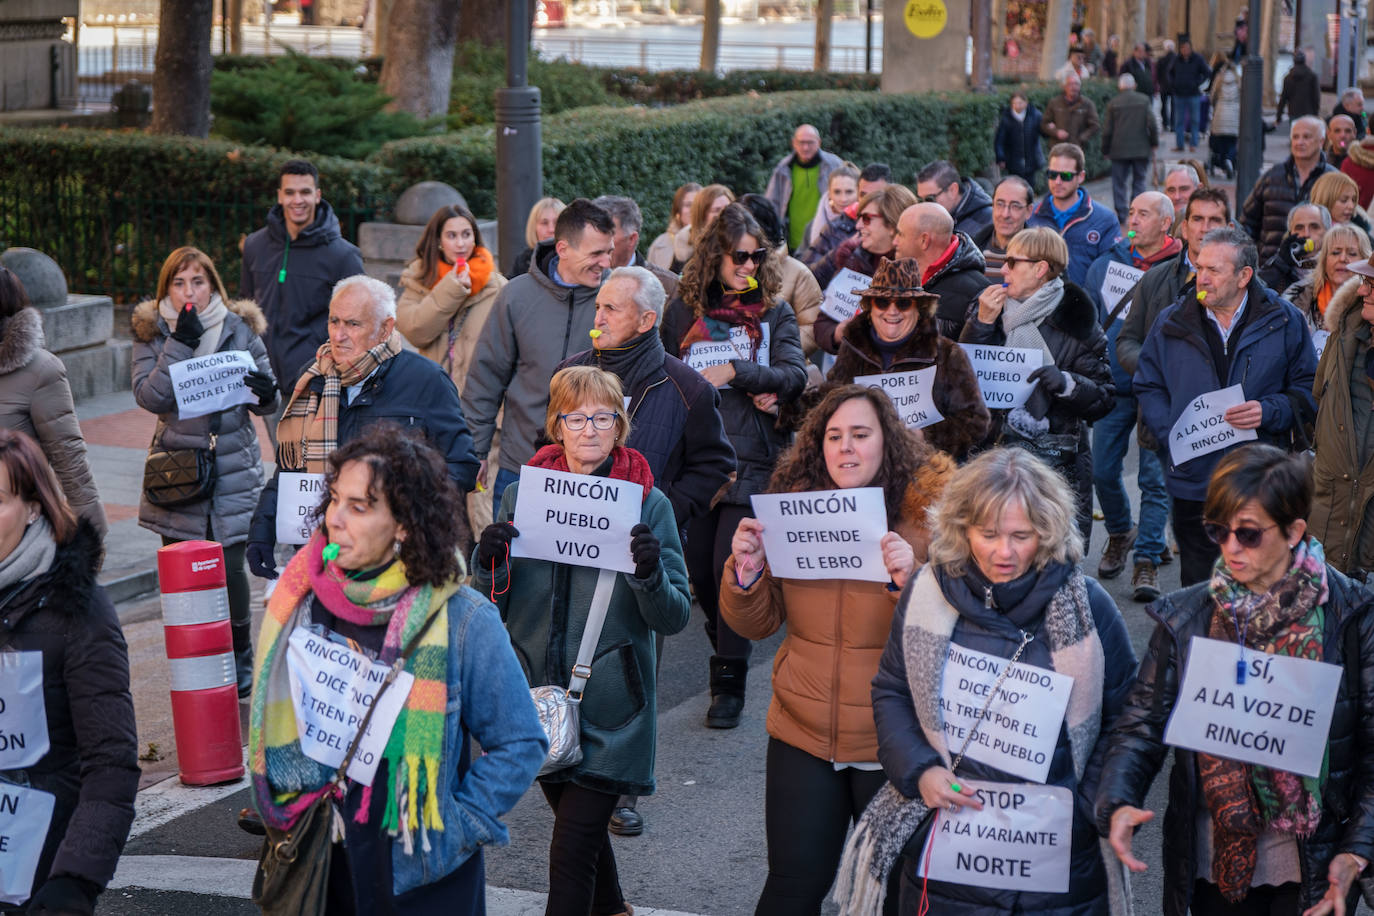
x=1260, y=679
x=547, y=605
x=192, y=316
x=1005, y=665
x=69, y=764
x=728, y=322
x=822, y=763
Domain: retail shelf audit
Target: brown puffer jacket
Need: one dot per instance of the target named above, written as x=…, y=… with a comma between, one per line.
x=426, y=316
x=836, y=632
x=36, y=399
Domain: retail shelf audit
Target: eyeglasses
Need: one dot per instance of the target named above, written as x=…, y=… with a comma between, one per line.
x=753, y=257
x=576, y=422
x=1015, y=206
x=902, y=305
x=1246, y=535
x=866, y=218
x=1012, y=260
x=1062, y=176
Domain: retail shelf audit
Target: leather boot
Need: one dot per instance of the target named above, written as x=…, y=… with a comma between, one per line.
x=243, y=656
x=727, y=691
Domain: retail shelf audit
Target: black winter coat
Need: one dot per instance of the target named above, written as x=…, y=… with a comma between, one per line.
x=905, y=754
x=857, y=258
x=1187, y=75
x=973, y=213
x=1017, y=143
x=1265, y=212
x=675, y=422
x=1136, y=748
x=838, y=231
x=958, y=284
x=1157, y=290
x=92, y=760
x=757, y=437
x=1301, y=94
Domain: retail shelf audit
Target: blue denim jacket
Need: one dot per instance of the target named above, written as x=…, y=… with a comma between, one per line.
x=489, y=698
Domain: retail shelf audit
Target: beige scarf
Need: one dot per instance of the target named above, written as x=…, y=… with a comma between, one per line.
x=211, y=317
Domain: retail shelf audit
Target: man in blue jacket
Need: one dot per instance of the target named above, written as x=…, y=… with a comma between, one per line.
x=1088, y=229
x=1240, y=333
x=290, y=267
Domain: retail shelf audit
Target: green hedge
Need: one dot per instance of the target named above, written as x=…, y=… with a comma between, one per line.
x=673, y=87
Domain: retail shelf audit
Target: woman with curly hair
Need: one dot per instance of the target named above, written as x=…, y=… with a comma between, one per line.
x=379, y=580
x=822, y=765
x=728, y=323
x=546, y=607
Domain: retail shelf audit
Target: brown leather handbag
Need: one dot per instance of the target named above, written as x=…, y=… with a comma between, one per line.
x=174, y=477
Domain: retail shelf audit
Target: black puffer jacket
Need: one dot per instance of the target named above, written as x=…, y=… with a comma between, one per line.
x=1136, y=748
x=974, y=211
x=757, y=437
x=1265, y=213
x=92, y=760
x=1017, y=143
x=958, y=284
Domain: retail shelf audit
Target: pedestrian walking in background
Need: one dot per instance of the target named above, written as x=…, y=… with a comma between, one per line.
x=1130, y=135
x=36, y=399
x=1242, y=837
x=1016, y=142
x=729, y=292
x=709, y=201
x=1187, y=75
x=545, y=607
x=1141, y=68
x=822, y=763
x=1225, y=128
x=82, y=747
x=1070, y=117
x=799, y=181
x=1111, y=60
x=190, y=316
x=389, y=595
x=1301, y=94
x=1003, y=581
x=539, y=227
x=660, y=252
x=1164, y=85
x=1284, y=185
x=1313, y=294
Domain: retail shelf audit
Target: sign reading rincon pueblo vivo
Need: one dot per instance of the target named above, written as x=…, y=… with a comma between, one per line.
x=576, y=518
x=1004, y=372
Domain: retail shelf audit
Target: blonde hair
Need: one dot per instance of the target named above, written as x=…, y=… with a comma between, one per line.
x=532, y=224
x=980, y=491
x=1346, y=232
x=577, y=385
x=891, y=201
x=1041, y=244
x=1327, y=190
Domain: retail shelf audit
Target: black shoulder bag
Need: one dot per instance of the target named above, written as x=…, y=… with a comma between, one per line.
x=174, y=477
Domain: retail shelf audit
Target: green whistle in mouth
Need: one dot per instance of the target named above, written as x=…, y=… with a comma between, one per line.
x=331, y=553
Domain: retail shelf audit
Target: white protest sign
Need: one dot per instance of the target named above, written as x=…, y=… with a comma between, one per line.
x=824, y=534
x=208, y=384
x=1119, y=281
x=298, y=500
x=911, y=394
x=704, y=354
x=1202, y=427
x=23, y=713
x=1278, y=718
x=1319, y=339
x=841, y=302
x=1019, y=732
x=576, y=519
x=332, y=687
x=1003, y=371
x=1020, y=841
x=25, y=815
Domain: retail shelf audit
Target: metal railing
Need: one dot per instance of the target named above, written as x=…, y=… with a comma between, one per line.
x=675, y=54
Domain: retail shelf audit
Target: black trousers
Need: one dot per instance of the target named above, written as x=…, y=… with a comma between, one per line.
x=707, y=549
x=582, y=874
x=1196, y=554
x=1265, y=900
x=808, y=807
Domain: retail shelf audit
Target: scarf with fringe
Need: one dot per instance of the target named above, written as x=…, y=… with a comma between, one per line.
x=285, y=781
x=891, y=819
x=727, y=308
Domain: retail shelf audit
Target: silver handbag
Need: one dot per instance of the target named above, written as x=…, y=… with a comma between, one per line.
x=557, y=706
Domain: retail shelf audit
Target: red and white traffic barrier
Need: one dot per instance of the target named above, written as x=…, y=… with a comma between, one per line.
x=200, y=653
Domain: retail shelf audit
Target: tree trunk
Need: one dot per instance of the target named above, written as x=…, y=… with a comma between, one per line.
x=710, y=35
x=1058, y=20
x=981, y=29
x=484, y=21
x=181, y=68
x=418, y=70
x=825, y=13
x=235, y=26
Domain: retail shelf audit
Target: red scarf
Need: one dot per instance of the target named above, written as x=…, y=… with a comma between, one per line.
x=735, y=308
x=941, y=261
x=626, y=464
x=1171, y=247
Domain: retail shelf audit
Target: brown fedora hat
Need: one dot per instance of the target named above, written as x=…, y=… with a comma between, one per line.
x=896, y=278
x=1363, y=268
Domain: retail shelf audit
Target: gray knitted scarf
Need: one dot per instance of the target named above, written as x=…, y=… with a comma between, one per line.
x=1021, y=317
x=891, y=819
x=32, y=556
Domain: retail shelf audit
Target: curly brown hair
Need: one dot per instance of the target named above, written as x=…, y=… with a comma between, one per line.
x=413, y=478
x=733, y=224
x=802, y=467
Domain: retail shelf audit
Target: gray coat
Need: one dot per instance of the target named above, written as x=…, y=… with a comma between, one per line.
x=238, y=456
x=1129, y=129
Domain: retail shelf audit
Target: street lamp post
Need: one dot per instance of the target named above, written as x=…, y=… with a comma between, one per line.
x=1250, y=153
x=519, y=167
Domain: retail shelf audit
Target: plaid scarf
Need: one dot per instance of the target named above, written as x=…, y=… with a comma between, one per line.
x=730, y=308
x=1246, y=800
x=285, y=781
x=309, y=427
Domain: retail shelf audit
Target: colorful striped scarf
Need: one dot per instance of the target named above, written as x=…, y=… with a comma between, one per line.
x=285, y=781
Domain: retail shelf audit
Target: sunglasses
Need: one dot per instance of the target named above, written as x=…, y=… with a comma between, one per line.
x=1062, y=176
x=752, y=257
x=1246, y=535
x=867, y=218
x=902, y=305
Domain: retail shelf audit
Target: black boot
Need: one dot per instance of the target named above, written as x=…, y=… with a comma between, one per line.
x=727, y=691
x=243, y=656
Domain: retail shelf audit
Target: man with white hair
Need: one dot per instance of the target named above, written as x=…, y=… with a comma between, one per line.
x=1130, y=134
x=1351, y=104
x=798, y=182
x=1265, y=212
x=360, y=376
x=1297, y=254
x=1070, y=117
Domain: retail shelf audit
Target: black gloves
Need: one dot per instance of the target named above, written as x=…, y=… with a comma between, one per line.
x=1051, y=379
x=189, y=327
x=63, y=895
x=645, y=549
x=262, y=385
x=495, y=543
x=260, y=559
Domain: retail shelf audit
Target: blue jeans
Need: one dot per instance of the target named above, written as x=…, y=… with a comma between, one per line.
x=1187, y=117
x=504, y=478
x=1111, y=439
